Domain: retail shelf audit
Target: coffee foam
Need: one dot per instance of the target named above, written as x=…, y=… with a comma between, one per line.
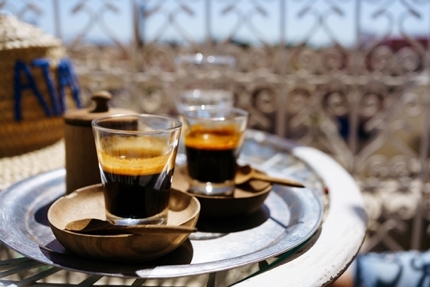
x=215, y=139
x=135, y=156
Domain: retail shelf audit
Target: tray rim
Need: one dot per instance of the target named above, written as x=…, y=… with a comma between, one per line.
x=175, y=270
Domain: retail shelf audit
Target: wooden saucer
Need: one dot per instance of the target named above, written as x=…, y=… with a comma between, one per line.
x=88, y=202
x=247, y=197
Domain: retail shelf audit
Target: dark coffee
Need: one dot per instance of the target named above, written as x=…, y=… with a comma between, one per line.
x=210, y=165
x=136, y=196
x=212, y=153
x=137, y=181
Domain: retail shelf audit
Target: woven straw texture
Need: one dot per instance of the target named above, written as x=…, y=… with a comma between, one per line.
x=16, y=168
x=22, y=41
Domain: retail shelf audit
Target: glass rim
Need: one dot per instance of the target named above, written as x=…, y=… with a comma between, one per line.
x=199, y=92
x=238, y=112
x=205, y=59
x=95, y=124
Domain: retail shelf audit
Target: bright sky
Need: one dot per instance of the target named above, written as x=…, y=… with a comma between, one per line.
x=312, y=20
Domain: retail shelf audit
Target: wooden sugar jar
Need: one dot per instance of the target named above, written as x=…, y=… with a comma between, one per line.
x=81, y=158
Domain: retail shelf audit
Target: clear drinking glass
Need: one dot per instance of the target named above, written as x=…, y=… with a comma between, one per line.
x=203, y=97
x=204, y=81
x=136, y=155
x=213, y=140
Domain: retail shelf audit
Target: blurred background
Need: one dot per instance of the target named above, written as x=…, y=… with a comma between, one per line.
x=349, y=77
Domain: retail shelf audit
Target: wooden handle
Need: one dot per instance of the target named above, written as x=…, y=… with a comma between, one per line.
x=102, y=99
x=277, y=180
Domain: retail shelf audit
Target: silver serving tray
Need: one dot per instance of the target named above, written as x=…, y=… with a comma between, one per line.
x=286, y=220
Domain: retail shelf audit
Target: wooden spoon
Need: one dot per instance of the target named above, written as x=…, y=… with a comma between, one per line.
x=98, y=226
x=246, y=172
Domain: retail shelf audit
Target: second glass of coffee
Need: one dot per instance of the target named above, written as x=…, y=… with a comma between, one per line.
x=213, y=141
x=136, y=155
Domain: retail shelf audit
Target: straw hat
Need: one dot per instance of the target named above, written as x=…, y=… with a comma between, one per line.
x=37, y=84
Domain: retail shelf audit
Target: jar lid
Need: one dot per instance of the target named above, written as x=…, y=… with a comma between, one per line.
x=83, y=117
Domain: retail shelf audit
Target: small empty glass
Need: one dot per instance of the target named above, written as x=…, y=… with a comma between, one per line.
x=201, y=97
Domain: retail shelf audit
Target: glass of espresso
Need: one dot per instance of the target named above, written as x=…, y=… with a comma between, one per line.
x=213, y=139
x=136, y=155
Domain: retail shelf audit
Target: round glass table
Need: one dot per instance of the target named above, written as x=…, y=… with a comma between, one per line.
x=299, y=237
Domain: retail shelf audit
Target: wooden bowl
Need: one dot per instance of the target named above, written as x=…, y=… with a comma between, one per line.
x=88, y=202
x=247, y=198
